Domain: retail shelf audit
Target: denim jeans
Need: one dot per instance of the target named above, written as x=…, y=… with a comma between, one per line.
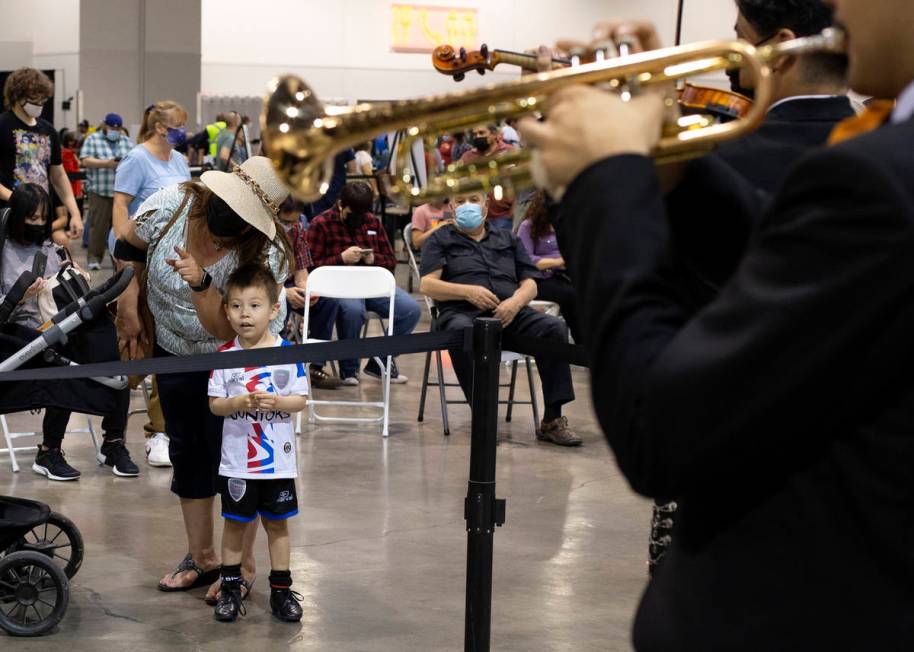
x=351, y=318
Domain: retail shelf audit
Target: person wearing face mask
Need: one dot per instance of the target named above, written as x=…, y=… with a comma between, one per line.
x=30, y=150
x=100, y=154
x=190, y=237
x=485, y=142
x=349, y=234
x=150, y=166
x=474, y=270
x=27, y=234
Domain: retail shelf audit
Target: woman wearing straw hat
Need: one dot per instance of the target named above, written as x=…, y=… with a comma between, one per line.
x=190, y=237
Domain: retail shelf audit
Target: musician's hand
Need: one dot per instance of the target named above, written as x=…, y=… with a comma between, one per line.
x=586, y=125
x=187, y=267
x=641, y=36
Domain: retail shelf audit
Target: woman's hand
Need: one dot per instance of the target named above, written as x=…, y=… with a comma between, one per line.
x=187, y=267
x=33, y=290
x=130, y=333
x=76, y=227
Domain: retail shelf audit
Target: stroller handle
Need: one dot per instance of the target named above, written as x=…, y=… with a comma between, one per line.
x=99, y=297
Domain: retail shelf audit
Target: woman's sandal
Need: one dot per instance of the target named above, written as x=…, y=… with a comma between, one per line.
x=246, y=591
x=204, y=578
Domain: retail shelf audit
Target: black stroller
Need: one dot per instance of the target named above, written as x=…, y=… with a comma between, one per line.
x=40, y=549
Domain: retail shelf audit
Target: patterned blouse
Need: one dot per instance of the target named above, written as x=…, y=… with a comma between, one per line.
x=178, y=329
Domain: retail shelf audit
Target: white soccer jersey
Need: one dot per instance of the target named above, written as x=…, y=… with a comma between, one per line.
x=258, y=445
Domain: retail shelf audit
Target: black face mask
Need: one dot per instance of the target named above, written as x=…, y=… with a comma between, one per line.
x=34, y=233
x=481, y=143
x=222, y=221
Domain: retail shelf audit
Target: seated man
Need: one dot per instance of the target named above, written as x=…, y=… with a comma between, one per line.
x=348, y=234
x=474, y=270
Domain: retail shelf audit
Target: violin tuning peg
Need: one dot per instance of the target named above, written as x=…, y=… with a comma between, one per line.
x=463, y=54
x=481, y=71
x=484, y=51
x=459, y=77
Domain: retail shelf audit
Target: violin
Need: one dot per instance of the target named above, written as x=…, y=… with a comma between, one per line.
x=722, y=104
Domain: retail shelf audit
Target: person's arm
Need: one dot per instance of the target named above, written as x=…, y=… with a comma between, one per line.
x=433, y=287
x=384, y=257
x=208, y=303
x=224, y=154
x=321, y=253
x=803, y=338
x=61, y=184
x=130, y=331
x=91, y=162
x=120, y=217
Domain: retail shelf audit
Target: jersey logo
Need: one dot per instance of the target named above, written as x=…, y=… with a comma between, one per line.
x=236, y=488
x=284, y=496
x=287, y=448
x=281, y=379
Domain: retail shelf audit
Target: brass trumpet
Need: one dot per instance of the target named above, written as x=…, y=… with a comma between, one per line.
x=301, y=136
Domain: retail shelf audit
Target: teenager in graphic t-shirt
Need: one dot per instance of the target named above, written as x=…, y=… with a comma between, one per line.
x=258, y=469
x=29, y=145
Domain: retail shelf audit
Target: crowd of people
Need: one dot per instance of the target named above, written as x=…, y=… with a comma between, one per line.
x=748, y=363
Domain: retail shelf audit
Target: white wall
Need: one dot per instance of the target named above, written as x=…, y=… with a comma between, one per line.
x=342, y=48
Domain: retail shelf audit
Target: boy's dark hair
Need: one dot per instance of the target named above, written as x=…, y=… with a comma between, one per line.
x=253, y=275
x=26, y=84
x=803, y=18
x=357, y=196
x=26, y=200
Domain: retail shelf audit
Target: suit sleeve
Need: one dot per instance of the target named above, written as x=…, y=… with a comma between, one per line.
x=808, y=333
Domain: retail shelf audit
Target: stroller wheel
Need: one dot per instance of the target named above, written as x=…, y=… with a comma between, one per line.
x=57, y=538
x=34, y=593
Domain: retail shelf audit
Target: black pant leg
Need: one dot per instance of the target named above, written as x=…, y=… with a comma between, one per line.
x=54, y=426
x=554, y=374
x=559, y=290
x=462, y=360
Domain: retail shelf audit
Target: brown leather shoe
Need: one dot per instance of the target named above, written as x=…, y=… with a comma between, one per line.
x=557, y=432
x=320, y=379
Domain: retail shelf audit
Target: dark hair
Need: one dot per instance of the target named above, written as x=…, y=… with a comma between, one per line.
x=540, y=226
x=251, y=245
x=252, y=275
x=357, y=196
x=25, y=84
x=290, y=204
x=803, y=18
x=26, y=200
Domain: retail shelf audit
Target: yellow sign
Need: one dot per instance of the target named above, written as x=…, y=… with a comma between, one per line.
x=421, y=28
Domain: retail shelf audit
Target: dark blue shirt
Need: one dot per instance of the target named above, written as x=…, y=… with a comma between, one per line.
x=337, y=181
x=498, y=262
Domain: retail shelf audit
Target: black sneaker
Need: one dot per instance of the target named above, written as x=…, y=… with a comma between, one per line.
x=116, y=455
x=320, y=379
x=285, y=604
x=373, y=369
x=229, y=603
x=53, y=464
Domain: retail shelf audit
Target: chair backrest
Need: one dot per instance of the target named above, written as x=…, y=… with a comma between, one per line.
x=413, y=264
x=350, y=282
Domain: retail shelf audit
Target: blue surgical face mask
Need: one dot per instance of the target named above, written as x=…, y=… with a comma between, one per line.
x=113, y=135
x=176, y=137
x=468, y=217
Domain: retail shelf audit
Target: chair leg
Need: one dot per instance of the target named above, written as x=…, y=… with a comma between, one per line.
x=424, y=391
x=511, y=390
x=9, y=443
x=385, y=431
x=533, y=404
x=442, y=395
x=91, y=429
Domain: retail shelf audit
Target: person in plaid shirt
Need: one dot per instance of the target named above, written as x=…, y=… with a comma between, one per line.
x=348, y=234
x=323, y=309
x=100, y=154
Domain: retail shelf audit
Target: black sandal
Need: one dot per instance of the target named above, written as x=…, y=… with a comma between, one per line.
x=203, y=577
x=211, y=601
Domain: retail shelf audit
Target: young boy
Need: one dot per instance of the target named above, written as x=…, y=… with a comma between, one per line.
x=258, y=469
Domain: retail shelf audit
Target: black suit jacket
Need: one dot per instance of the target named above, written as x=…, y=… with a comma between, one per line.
x=710, y=221
x=782, y=413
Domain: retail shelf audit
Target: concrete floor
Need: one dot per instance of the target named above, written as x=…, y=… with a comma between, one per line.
x=379, y=548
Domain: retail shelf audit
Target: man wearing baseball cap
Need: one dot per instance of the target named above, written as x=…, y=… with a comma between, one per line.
x=100, y=154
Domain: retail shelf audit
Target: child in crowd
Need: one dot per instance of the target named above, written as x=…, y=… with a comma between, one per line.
x=258, y=469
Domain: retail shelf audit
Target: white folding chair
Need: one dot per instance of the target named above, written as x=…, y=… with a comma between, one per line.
x=9, y=436
x=342, y=282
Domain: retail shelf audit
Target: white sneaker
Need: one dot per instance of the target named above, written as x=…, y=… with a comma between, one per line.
x=157, y=450
x=350, y=381
x=95, y=266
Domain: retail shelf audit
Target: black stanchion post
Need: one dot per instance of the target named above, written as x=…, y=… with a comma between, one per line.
x=481, y=509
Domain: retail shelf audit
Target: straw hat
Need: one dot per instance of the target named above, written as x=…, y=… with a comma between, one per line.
x=252, y=190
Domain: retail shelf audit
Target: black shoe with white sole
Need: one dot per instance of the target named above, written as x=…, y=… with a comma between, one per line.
x=373, y=369
x=53, y=464
x=116, y=455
